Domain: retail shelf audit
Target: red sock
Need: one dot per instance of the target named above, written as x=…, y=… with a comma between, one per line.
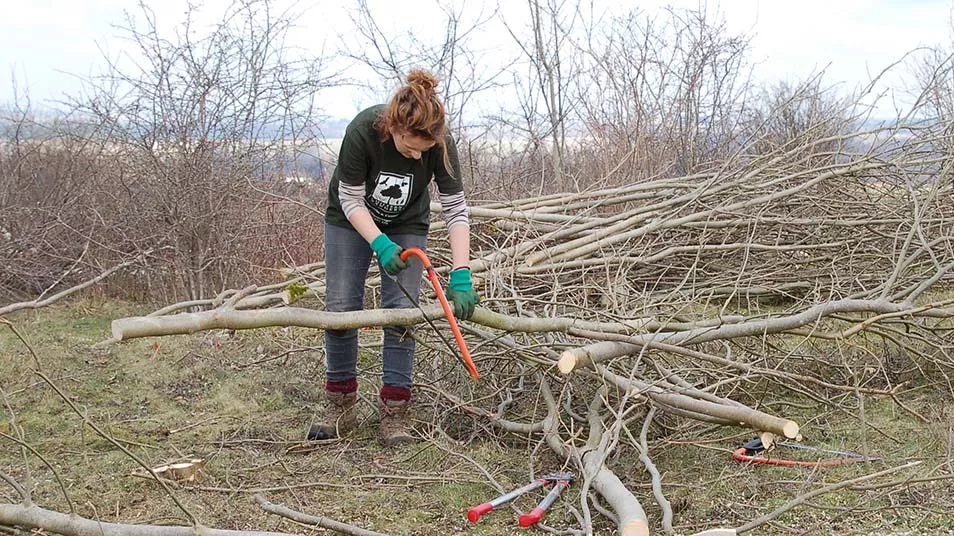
x=391, y=392
x=346, y=386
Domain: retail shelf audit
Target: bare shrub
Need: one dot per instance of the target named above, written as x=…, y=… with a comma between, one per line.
x=203, y=137
x=49, y=228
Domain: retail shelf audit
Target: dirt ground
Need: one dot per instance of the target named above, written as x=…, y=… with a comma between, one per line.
x=242, y=402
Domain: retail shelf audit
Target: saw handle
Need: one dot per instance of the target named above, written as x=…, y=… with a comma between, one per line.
x=448, y=311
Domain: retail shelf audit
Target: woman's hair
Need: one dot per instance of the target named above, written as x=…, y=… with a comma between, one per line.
x=417, y=110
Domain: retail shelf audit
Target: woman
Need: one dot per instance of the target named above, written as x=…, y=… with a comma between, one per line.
x=378, y=203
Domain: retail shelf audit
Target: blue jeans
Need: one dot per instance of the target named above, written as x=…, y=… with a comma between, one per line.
x=347, y=259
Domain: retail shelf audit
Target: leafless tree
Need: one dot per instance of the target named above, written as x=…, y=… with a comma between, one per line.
x=551, y=62
x=666, y=90
x=454, y=55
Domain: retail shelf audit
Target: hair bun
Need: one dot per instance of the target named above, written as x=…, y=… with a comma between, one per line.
x=422, y=79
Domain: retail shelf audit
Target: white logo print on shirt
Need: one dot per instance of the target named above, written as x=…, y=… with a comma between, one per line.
x=391, y=194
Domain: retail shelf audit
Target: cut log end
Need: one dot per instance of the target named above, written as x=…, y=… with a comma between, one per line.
x=790, y=430
x=567, y=362
x=637, y=527
x=117, y=331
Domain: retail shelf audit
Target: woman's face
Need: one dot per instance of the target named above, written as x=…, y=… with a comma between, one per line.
x=409, y=145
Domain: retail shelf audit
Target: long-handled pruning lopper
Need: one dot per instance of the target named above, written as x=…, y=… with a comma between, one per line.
x=464, y=356
x=559, y=481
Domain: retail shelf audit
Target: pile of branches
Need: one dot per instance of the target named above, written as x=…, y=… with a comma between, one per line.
x=665, y=295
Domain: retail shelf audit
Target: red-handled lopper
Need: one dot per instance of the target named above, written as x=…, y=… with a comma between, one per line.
x=474, y=513
x=560, y=481
x=537, y=513
x=448, y=311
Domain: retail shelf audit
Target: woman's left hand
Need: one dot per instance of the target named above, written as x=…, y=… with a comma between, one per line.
x=460, y=290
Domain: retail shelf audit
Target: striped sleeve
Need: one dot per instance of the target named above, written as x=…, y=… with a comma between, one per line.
x=455, y=209
x=351, y=197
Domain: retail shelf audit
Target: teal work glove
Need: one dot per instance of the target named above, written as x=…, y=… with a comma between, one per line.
x=389, y=254
x=461, y=292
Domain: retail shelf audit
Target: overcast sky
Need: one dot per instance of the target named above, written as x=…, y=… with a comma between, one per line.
x=46, y=44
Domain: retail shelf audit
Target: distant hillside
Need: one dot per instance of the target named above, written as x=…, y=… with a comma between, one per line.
x=333, y=128
x=43, y=125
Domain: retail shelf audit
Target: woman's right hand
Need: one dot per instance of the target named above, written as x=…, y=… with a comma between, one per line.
x=389, y=254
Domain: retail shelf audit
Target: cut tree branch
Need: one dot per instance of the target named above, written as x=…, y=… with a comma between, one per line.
x=34, y=517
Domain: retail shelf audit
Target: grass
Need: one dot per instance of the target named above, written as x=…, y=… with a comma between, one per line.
x=241, y=400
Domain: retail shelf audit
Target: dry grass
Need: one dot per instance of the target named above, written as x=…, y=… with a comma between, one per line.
x=242, y=400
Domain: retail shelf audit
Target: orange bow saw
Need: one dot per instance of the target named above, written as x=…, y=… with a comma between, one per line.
x=464, y=358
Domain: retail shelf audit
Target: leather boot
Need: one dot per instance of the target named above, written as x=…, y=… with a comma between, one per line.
x=395, y=428
x=340, y=416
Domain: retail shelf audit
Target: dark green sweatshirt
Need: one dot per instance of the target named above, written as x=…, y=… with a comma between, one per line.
x=394, y=188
